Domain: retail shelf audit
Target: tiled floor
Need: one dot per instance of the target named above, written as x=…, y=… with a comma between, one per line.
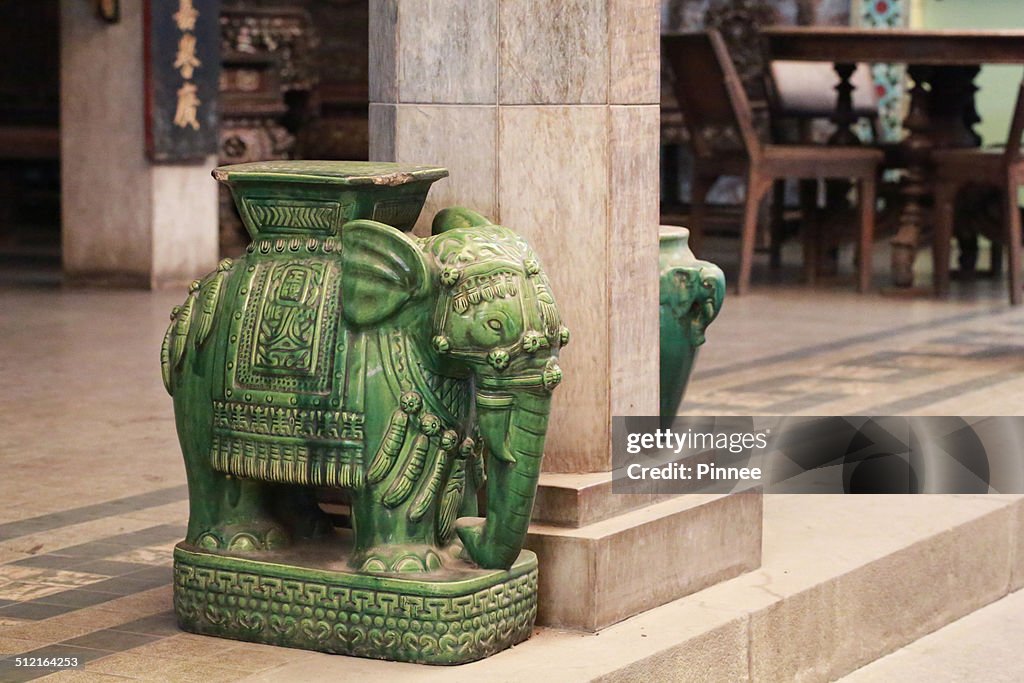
x=92, y=494
x=790, y=349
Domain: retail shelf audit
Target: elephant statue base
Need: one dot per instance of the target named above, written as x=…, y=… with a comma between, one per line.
x=300, y=598
x=408, y=377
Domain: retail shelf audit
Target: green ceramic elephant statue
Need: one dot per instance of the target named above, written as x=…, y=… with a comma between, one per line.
x=691, y=295
x=343, y=352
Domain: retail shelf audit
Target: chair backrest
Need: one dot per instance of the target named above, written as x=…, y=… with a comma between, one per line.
x=1013, y=142
x=709, y=90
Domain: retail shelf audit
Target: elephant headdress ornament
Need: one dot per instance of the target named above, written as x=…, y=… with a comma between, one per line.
x=342, y=353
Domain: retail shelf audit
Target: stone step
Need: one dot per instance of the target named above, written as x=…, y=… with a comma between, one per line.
x=983, y=646
x=640, y=559
x=844, y=580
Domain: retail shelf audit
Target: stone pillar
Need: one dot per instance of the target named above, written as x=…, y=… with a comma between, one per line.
x=126, y=221
x=546, y=113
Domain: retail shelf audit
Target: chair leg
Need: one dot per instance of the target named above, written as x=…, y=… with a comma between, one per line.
x=778, y=218
x=700, y=185
x=757, y=186
x=945, y=203
x=867, y=232
x=809, y=228
x=1013, y=238
x=995, y=259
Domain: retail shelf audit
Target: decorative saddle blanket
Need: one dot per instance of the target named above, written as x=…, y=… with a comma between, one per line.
x=290, y=406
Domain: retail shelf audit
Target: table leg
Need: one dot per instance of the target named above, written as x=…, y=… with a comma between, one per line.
x=916, y=147
x=940, y=115
x=844, y=116
x=954, y=116
x=825, y=260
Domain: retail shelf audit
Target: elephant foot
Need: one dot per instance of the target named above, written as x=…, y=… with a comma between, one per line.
x=470, y=531
x=398, y=559
x=258, y=535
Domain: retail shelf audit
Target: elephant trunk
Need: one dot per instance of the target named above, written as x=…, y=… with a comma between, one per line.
x=513, y=429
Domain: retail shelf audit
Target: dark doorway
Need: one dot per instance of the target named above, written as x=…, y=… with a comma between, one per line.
x=30, y=135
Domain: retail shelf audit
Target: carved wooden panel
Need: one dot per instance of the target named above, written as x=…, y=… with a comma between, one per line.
x=294, y=86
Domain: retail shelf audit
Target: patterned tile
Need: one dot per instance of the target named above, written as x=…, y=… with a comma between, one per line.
x=888, y=78
x=152, y=555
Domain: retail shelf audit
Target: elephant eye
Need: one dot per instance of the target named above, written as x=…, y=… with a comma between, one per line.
x=494, y=324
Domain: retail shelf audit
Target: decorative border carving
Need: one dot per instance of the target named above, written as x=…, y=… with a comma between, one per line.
x=246, y=418
x=421, y=621
x=300, y=216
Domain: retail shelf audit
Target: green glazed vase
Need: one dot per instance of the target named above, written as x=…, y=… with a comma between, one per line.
x=407, y=373
x=691, y=294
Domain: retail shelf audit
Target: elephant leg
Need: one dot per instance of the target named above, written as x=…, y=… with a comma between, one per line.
x=376, y=529
x=396, y=521
x=225, y=513
x=246, y=521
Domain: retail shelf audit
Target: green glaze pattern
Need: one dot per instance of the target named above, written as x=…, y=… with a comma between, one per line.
x=343, y=352
x=691, y=295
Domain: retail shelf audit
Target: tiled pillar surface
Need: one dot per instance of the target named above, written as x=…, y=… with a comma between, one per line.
x=125, y=221
x=546, y=114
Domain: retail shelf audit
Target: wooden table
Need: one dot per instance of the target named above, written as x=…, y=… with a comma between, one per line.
x=942, y=66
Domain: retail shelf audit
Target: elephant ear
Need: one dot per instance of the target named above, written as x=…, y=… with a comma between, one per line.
x=457, y=217
x=382, y=269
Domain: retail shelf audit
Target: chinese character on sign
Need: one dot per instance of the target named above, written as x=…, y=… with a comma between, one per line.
x=186, y=61
x=186, y=15
x=181, y=42
x=188, y=105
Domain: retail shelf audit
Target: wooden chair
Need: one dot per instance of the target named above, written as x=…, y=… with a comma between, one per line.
x=713, y=102
x=801, y=93
x=954, y=168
